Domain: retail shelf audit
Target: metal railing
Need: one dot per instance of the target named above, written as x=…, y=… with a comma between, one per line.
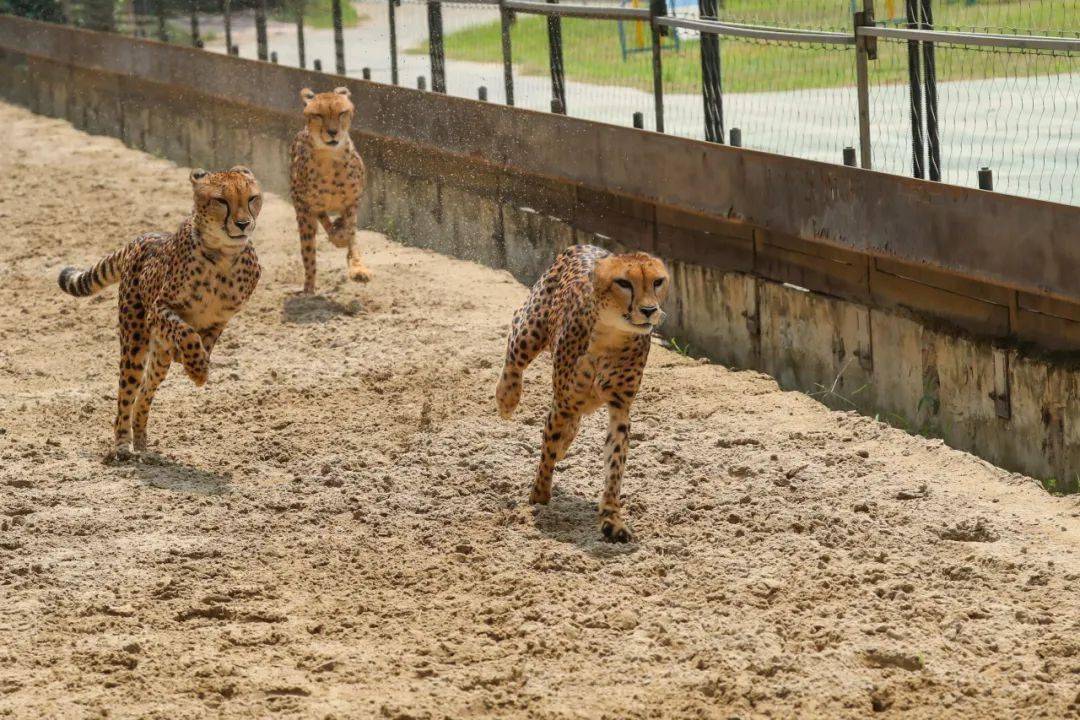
x=858, y=49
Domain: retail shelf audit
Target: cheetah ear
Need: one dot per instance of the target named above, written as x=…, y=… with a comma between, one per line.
x=242, y=170
x=197, y=175
x=306, y=95
x=343, y=91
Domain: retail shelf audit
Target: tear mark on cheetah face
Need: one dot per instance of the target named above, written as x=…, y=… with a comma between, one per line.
x=227, y=205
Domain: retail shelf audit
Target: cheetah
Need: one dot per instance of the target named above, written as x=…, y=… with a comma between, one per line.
x=595, y=311
x=326, y=177
x=177, y=292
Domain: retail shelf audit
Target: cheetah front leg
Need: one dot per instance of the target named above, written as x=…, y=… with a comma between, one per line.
x=157, y=367
x=182, y=343
x=612, y=525
x=559, y=431
x=345, y=228
x=305, y=221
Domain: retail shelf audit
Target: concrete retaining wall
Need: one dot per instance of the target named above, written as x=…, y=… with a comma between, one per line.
x=835, y=329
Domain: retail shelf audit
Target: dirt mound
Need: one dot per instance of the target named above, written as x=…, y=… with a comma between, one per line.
x=340, y=526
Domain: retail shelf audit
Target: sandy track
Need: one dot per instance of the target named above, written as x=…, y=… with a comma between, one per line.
x=343, y=532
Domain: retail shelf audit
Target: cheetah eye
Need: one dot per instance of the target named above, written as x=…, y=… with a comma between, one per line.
x=658, y=282
x=254, y=199
x=625, y=284
x=223, y=201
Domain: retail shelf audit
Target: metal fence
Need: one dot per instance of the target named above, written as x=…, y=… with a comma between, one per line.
x=961, y=91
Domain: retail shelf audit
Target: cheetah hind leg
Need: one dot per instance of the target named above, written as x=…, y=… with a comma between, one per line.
x=527, y=338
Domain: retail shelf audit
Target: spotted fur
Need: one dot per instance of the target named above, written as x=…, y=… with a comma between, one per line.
x=595, y=312
x=326, y=178
x=177, y=292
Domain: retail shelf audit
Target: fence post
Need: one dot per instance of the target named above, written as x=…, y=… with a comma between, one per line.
x=865, y=50
x=159, y=10
x=933, y=140
x=711, y=79
x=194, y=23
x=657, y=8
x=507, y=53
x=735, y=137
x=318, y=65
x=555, y=58
x=915, y=92
x=849, y=156
x=421, y=83
x=365, y=73
x=260, y=29
x=639, y=120
x=339, y=37
x=393, y=42
x=986, y=179
x=226, y=13
x=300, y=33
x=435, y=46
x=481, y=93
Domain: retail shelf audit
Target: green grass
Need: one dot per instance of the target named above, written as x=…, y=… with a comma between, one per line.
x=319, y=14
x=592, y=53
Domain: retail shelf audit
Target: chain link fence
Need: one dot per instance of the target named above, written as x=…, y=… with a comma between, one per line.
x=774, y=75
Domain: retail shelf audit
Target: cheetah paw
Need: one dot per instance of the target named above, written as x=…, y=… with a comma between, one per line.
x=615, y=530
x=118, y=456
x=359, y=273
x=539, y=496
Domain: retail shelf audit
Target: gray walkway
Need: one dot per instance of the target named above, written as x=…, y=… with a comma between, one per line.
x=1026, y=129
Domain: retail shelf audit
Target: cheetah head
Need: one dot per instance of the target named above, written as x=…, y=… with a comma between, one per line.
x=226, y=206
x=328, y=116
x=629, y=289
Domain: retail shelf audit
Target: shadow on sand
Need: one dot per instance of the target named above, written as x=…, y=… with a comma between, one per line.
x=167, y=474
x=308, y=309
x=572, y=519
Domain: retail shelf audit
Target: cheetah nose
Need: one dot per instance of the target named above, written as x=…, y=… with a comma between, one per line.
x=648, y=310
x=332, y=133
x=242, y=224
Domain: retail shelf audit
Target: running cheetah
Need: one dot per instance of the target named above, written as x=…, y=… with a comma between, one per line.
x=595, y=311
x=326, y=177
x=177, y=292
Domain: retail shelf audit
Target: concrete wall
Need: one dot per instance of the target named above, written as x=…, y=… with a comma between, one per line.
x=828, y=321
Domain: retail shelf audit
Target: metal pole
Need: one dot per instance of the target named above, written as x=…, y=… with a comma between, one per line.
x=507, y=53
x=712, y=93
x=194, y=24
x=339, y=37
x=915, y=90
x=159, y=10
x=657, y=73
x=639, y=120
x=300, y=33
x=435, y=46
x=421, y=83
x=481, y=93
x=365, y=73
x=273, y=57
x=317, y=65
x=226, y=12
x=933, y=140
x=393, y=42
x=735, y=137
x=865, y=50
x=986, y=179
x=849, y=156
x=260, y=29
x=555, y=58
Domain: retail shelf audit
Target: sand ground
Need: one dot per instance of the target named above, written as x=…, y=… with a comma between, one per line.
x=341, y=529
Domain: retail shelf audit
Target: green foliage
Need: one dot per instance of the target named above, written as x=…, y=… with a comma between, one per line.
x=48, y=10
x=317, y=13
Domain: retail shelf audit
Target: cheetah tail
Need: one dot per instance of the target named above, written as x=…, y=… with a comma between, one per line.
x=82, y=283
